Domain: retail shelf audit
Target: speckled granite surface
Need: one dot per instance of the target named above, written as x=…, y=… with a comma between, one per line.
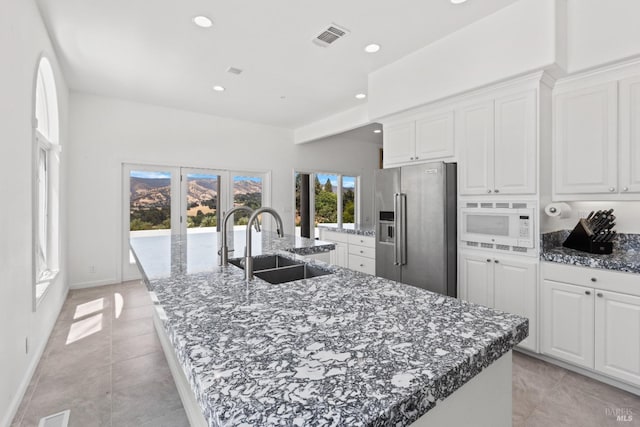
x=351, y=229
x=346, y=349
x=625, y=256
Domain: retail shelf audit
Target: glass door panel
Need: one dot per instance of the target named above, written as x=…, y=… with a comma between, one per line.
x=348, y=200
x=150, y=215
x=202, y=207
x=326, y=200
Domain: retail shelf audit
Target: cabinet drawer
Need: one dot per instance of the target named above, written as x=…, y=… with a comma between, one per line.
x=627, y=283
x=332, y=236
x=362, y=264
x=356, y=239
x=363, y=251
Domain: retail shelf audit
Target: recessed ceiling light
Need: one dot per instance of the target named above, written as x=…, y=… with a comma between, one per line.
x=202, y=21
x=218, y=88
x=361, y=96
x=458, y=1
x=377, y=131
x=372, y=48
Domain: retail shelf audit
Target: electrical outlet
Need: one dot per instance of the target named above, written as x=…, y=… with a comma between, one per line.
x=92, y=269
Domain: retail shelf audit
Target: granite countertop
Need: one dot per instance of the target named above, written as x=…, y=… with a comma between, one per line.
x=362, y=230
x=625, y=256
x=345, y=349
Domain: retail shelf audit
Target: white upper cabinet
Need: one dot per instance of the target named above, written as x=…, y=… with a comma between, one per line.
x=498, y=146
x=475, y=139
x=630, y=135
x=399, y=143
x=434, y=136
x=586, y=140
x=429, y=137
x=515, y=144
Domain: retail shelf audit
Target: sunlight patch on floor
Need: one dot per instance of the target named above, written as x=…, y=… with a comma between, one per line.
x=84, y=328
x=88, y=308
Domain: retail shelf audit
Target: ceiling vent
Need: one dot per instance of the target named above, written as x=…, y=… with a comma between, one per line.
x=234, y=70
x=330, y=34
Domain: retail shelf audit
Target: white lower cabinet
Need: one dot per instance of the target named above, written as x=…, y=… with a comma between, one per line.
x=505, y=283
x=594, y=326
x=567, y=322
x=352, y=251
x=617, y=335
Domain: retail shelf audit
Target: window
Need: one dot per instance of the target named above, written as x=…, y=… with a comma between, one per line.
x=324, y=198
x=46, y=179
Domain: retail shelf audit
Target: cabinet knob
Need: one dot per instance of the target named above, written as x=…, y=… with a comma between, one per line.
x=496, y=261
x=411, y=158
x=417, y=157
x=488, y=191
x=496, y=191
x=625, y=189
x=361, y=265
x=599, y=294
x=488, y=260
x=361, y=252
x=612, y=189
x=593, y=279
x=587, y=292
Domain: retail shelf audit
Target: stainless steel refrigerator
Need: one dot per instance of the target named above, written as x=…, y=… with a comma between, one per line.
x=416, y=226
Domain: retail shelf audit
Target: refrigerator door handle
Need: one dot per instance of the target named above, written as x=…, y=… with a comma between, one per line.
x=396, y=235
x=403, y=229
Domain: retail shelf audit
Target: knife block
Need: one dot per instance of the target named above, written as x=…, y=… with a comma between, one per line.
x=581, y=239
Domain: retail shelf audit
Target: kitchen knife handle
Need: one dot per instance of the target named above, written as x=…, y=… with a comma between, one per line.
x=403, y=229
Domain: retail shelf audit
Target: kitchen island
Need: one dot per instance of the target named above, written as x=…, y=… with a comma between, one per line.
x=340, y=349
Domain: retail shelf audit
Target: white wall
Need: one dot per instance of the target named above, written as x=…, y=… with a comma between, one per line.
x=601, y=31
x=627, y=214
x=106, y=132
x=22, y=41
x=515, y=40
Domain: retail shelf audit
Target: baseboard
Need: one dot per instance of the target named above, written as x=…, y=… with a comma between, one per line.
x=94, y=284
x=31, y=369
x=583, y=371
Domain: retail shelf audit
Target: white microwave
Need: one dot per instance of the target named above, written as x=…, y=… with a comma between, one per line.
x=498, y=226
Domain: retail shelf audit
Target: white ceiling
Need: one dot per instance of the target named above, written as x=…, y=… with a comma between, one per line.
x=150, y=51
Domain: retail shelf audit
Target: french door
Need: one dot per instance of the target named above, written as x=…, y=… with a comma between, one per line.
x=160, y=201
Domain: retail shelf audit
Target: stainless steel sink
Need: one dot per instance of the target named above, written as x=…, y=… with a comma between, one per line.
x=290, y=273
x=278, y=269
x=266, y=262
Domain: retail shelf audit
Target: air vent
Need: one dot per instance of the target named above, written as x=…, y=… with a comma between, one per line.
x=234, y=70
x=486, y=205
x=486, y=245
x=472, y=205
x=519, y=206
x=329, y=35
x=502, y=205
x=503, y=247
x=61, y=419
x=519, y=249
x=474, y=244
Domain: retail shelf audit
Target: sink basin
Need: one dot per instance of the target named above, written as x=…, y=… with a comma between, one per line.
x=266, y=262
x=278, y=269
x=290, y=273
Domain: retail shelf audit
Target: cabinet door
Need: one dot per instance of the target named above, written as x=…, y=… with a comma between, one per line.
x=476, y=279
x=338, y=256
x=434, y=136
x=617, y=336
x=586, y=140
x=515, y=291
x=567, y=322
x=475, y=138
x=630, y=135
x=515, y=144
x=399, y=143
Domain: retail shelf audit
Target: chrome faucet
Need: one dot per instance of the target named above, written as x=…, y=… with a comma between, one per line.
x=248, y=261
x=224, y=249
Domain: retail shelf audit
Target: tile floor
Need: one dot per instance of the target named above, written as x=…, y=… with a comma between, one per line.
x=104, y=362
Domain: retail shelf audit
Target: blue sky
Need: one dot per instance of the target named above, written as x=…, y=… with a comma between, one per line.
x=167, y=175
x=348, y=181
x=151, y=174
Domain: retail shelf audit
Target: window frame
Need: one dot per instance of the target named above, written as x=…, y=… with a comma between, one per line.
x=45, y=168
